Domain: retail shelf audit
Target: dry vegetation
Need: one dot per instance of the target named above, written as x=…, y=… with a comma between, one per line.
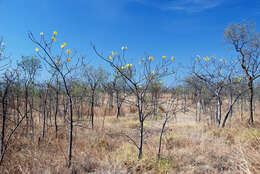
x=188, y=147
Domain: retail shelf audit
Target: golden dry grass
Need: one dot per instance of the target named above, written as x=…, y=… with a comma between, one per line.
x=188, y=147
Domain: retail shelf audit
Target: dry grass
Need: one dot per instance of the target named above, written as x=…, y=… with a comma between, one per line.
x=188, y=147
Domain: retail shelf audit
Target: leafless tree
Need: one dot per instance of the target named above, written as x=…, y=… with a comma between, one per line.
x=64, y=64
x=139, y=80
x=246, y=42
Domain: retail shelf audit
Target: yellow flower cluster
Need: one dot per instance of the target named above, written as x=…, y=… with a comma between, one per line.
x=114, y=53
x=57, y=62
x=37, y=49
x=69, y=59
x=3, y=44
x=129, y=65
x=173, y=58
x=1, y=53
x=53, y=39
x=63, y=45
x=110, y=57
x=153, y=72
x=55, y=33
x=164, y=57
x=206, y=59
x=41, y=33
x=68, y=51
x=151, y=58
x=122, y=67
x=238, y=79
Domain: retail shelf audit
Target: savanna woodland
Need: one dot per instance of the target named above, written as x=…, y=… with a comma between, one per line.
x=64, y=110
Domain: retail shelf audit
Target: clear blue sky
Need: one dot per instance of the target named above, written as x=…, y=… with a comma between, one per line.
x=183, y=28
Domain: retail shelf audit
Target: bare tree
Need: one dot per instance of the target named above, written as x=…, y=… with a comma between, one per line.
x=246, y=43
x=63, y=64
x=28, y=68
x=95, y=78
x=120, y=89
x=139, y=80
x=9, y=78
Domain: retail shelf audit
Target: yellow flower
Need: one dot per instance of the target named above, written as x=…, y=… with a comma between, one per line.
x=164, y=57
x=153, y=72
x=112, y=52
x=122, y=67
x=53, y=39
x=220, y=60
x=41, y=33
x=127, y=65
x=1, y=53
x=116, y=54
x=69, y=59
x=110, y=57
x=55, y=33
x=173, y=58
x=3, y=44
x=130, y=65
x=57, y=62
x=68, y=51
x=151, y=58
x=36, y=49
x=198, y=57
x=206, y=58
x=64, y=44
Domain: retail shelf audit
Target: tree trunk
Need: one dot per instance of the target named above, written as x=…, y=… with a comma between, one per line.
x=56, y=113
x=231, y=111
x=26, y=109
x=44, y=114
x=70, y=133
x=218, y=113
x=118, y=111
x=31, y=114
x=4, y=111
x=160, y=141
x=140, y=153
x=251, y=88
x=92, y=108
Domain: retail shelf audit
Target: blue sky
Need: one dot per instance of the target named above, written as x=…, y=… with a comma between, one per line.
x=182, y=28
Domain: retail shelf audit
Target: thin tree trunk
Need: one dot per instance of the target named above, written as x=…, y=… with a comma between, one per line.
x=251, y=119
x=56, y=113
x=26, y=109
x=160, y=141
x=140, y=153
x=92, y=108
x=4, y=111
x=32, y=120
